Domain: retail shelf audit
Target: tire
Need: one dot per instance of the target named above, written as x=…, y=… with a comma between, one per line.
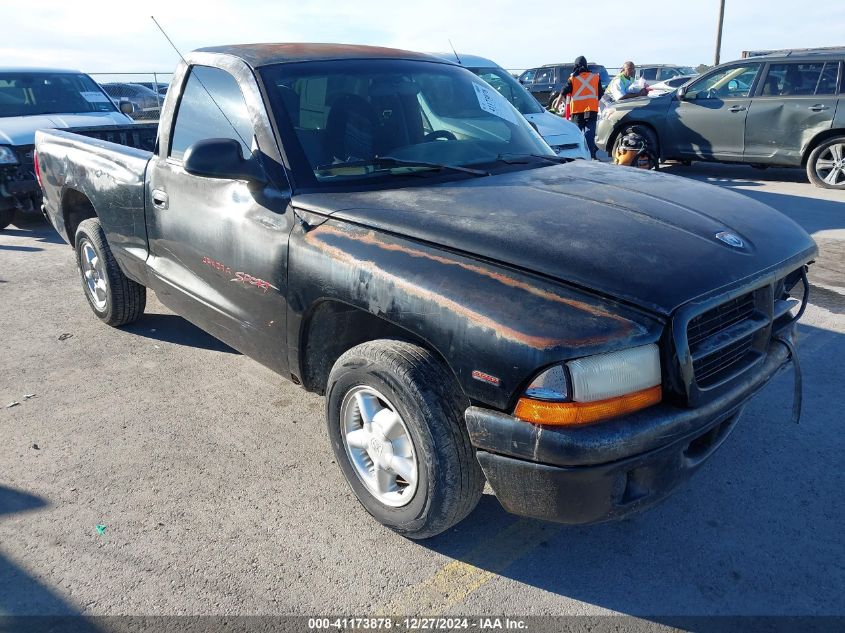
x=826, y=164
x=7, y=216
x=645, y=132
x=114, y=298
x=410, y=382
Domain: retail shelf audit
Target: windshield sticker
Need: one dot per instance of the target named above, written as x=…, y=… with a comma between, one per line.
x=94, y=97
x=494, y=103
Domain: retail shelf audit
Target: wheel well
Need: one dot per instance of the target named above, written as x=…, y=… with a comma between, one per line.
x=333, y=328
x=818, y=140
x=627, y=124
x=76, y=207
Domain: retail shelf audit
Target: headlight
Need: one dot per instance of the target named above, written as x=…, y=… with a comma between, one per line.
x=7, y=156
x=596, y=388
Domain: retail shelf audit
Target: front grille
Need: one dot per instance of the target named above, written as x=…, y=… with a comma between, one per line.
x=709, y=370
x=720, y=318
x=25, y=155
x=718, y=342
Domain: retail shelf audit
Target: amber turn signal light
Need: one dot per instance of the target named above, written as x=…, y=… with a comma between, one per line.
x=580, y=413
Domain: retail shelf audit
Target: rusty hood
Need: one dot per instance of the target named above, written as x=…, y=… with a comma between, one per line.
x=646, y=238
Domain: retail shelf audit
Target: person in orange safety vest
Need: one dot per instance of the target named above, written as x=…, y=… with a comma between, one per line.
x=584, y=89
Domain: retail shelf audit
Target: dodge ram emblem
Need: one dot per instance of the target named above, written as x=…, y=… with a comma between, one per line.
x=730, y=239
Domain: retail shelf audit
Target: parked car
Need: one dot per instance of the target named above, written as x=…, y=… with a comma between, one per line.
x=471, y=305
x=159, y=87
x=653, y=73
x=778, y=110
x=36, y=98
x=563, y=136
x=549, y=79
x=669, y=85
x=146, y=104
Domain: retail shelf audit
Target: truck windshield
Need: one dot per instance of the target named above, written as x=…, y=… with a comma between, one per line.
x=359, y=119
x=26, y=93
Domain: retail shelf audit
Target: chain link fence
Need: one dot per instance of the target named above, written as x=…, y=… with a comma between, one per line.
x=140, y=95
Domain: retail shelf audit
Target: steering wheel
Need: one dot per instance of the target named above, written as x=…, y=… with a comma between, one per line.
x=445, y=135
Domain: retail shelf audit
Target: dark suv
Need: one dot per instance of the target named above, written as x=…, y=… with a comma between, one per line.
x=550, y=78
x=774, y=110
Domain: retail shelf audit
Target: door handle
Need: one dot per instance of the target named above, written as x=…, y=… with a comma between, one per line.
x=818, y=107
x=737, y=108
x=160, y=199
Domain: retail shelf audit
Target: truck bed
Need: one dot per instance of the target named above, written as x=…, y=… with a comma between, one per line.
x=108, y=167
x=140, y=135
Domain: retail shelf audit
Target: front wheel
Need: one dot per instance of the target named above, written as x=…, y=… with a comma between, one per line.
x=395, y=421
x=652, y=145
x=826, y=164
x=114, y=298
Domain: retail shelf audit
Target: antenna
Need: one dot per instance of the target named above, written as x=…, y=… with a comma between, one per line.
x=305, y=225
x=450, y=44
x=242, y=139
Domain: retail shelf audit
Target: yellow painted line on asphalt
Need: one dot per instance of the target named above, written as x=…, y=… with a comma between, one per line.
x=455, y=581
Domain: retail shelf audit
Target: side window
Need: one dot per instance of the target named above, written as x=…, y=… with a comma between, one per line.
x=528, y=76
x=200, y=117
x=827, y=81
x=726, y=83
x=500, y=85
x=793, y=79
x=544, y=76
x=649, y=74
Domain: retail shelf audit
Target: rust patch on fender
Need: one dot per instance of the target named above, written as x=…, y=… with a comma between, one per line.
x=371, y=239
x=474, y=317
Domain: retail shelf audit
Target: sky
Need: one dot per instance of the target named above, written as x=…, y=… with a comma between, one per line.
x=121, y=37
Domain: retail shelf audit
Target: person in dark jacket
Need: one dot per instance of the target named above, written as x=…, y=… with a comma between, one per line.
x=584, y=90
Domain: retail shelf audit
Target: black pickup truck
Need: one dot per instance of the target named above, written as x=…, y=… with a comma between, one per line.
x=382, y=227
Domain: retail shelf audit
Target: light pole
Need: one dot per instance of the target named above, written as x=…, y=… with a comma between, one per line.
x=719, y=31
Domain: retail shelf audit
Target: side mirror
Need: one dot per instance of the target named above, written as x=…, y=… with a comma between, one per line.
x=682, y=93
x=222, y=158
x=127, y=107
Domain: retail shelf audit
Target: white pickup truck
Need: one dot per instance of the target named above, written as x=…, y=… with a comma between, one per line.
x=38, y=98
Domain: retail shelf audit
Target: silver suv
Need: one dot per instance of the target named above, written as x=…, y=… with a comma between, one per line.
x=775, y=110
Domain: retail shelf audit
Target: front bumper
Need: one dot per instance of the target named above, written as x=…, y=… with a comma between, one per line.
x=19, y=189
x=611, y=469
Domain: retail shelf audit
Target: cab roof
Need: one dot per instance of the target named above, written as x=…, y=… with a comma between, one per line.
x=257, y=55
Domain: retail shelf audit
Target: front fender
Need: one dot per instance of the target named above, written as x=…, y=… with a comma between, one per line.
x=495, y=326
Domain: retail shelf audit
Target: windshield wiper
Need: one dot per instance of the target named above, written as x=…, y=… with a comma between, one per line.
x=390, y=161
x=520, y=159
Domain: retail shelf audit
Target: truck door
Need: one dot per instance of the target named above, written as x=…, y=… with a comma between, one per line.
x=794, y=102
x=218, y=247
x=709, y=122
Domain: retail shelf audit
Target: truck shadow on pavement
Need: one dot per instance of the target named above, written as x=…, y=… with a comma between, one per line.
x=171, y=328
x=40, y=232
x=727, y=173
x=22, y=249
x=757, y=531
x=20, y=593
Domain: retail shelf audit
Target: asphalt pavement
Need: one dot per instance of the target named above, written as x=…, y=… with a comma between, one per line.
x=216, y=493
